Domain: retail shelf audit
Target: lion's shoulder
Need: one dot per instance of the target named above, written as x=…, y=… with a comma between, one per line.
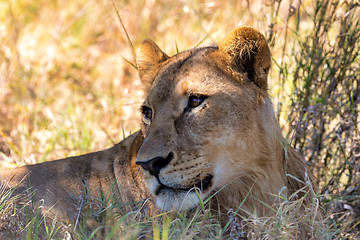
x=61, y=184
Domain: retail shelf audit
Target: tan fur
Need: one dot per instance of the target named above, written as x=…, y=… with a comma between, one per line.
x=230, y=143
x=62, y=184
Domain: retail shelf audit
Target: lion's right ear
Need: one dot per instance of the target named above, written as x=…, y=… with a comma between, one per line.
x=245, y=50
x=148, y=60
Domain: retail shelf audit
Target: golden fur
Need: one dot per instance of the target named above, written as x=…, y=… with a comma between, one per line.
x=63, y=186
x=208, y=126
x=229, y=142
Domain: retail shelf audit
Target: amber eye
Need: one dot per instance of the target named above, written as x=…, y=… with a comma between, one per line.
x=147, y=112
x=195, y=101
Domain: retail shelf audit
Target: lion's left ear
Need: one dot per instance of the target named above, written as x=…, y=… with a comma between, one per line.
x=246, y=51
x=149, y=58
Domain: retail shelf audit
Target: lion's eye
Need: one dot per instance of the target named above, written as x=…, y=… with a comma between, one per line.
x=147, y=112
x=195, y=101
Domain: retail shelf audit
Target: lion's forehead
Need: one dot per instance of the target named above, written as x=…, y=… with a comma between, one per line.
x=186, y=74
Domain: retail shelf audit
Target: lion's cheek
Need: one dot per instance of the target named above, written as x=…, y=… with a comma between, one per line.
x=228, y=155
x=225, y=171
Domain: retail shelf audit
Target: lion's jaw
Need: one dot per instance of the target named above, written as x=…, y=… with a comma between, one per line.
x=168, y=198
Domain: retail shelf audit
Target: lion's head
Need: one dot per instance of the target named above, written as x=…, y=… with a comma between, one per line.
x=209, y=126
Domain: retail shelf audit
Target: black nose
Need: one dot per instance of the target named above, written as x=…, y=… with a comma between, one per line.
x=156, y=164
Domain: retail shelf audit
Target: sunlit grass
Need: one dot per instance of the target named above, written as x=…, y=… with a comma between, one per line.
x=68, y=86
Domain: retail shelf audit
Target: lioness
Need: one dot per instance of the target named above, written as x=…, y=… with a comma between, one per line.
x=207, y=126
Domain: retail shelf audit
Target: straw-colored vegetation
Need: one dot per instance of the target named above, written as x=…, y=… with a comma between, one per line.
x=68, y=86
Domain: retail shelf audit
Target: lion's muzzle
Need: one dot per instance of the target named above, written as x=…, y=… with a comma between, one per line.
x=153, y=166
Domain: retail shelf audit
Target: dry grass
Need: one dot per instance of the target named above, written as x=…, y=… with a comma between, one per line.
x=68, y=86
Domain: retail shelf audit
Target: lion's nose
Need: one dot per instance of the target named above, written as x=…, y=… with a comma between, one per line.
x=156, y=164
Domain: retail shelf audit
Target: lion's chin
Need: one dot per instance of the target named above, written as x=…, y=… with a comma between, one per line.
x=182, y=199
x=179, y=200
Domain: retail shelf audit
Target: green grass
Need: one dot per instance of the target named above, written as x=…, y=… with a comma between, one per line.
x=68, y=86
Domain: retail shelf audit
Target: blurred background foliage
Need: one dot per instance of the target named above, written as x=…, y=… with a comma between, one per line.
x=68, y=84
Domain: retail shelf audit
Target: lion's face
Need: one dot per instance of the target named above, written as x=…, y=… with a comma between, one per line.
x=204, y=120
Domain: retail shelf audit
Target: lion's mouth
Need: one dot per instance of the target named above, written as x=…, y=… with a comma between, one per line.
x=203, y=185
